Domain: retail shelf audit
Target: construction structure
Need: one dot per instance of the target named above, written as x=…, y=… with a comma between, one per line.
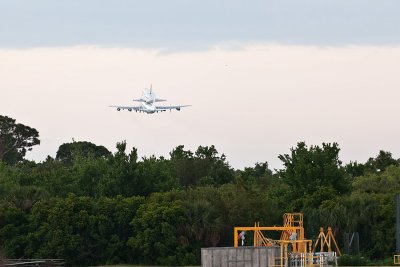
x=291, y=249
x=326, y=240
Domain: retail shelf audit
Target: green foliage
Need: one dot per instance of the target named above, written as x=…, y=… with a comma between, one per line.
x=68, y=152
x=13, y=230
x=310, y=172
x=348, y=260
x=374, y=165
x=15, y=140
x=157, y=232
x=259, y=171
x=203, y=167
x=355, y=169
x=8, y=179
x=82, y=231
x=381, y=161
x=371, y=210
x=383, y=182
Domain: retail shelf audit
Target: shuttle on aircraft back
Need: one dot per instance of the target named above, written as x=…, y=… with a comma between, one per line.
x=148, y=105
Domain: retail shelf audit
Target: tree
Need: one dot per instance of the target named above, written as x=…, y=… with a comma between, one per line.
x=13, y=230
x=158, y=232
x=355, y=169
x=257, y=172
x=67, y=152
x=15, y=140
x=383, y=160
x=370, y=210
x=202, y=168
x=312, y=171
x=374, y=165
x=182, y=163
x=82, y=230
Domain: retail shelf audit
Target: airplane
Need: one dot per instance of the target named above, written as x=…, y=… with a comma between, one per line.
x=148, y=100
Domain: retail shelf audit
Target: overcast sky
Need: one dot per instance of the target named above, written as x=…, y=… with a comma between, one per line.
x=261, y=75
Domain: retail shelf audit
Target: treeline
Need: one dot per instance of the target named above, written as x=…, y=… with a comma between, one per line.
x=90, y=206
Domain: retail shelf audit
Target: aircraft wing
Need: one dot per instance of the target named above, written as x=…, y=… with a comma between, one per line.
x=136, y=108
x=164, y=108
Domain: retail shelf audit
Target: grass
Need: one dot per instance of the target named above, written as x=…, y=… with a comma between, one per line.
x=128, y=265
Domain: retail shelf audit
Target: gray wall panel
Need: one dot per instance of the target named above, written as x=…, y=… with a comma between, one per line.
x=239, y=257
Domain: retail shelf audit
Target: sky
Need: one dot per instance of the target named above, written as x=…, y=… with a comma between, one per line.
x=260, y=75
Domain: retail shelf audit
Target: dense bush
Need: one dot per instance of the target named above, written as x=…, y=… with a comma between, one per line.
x=348, y=260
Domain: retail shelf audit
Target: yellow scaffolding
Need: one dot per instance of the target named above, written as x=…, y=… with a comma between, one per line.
x=305, y=257
x=259, y=239
x=293, y=220
x=326, y=240
x=292, y=229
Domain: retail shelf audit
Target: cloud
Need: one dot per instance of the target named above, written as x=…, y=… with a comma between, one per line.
x=198, y=25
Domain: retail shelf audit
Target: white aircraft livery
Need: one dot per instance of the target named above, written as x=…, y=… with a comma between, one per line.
x=147, y=103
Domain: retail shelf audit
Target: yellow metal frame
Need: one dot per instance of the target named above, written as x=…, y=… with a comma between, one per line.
x=259, y=237
x=292, y=223
x=304, y=245
x=293, y=220
x=326, y=240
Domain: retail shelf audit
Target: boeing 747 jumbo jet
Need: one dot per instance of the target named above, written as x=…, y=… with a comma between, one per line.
x=147, y=105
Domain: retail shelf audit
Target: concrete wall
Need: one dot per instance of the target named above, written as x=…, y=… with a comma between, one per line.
x=239, y=257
